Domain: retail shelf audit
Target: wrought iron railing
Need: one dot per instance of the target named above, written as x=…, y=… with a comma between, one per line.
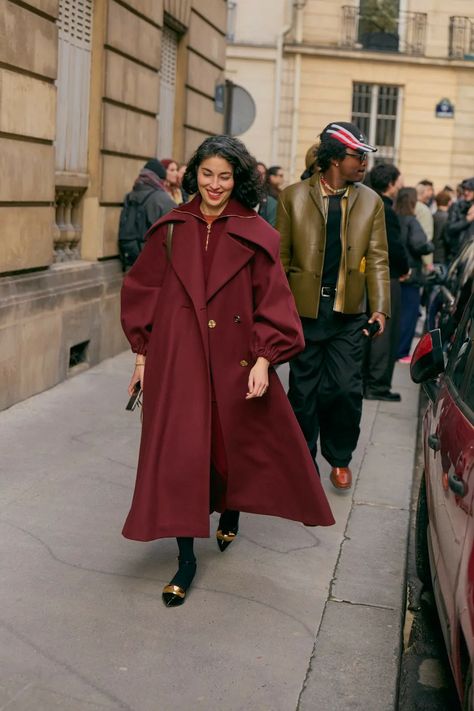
x=409, y=36
x=461, y=37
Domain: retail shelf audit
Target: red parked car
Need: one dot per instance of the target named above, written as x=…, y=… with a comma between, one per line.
x=445, y=524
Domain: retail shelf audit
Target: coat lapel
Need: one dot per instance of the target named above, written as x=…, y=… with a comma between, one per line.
x=315, y=193
x=353, y=195
x=230, y=257
x=186, y=260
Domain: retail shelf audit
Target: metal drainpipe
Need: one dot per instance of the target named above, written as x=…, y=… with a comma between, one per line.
x=278, y=73
x=299, y=6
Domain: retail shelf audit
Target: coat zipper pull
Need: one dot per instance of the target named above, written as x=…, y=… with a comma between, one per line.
x=207, y=237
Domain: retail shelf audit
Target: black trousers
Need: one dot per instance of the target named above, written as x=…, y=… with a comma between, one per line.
x=326, y=383
x=381, y=353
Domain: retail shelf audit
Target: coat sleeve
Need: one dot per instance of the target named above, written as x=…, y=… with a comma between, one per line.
x=140, y=291
x=158, y=205
x=377, y=273
x=277, y=333
x=418, y=243
x=397, y=256
x=283, y=225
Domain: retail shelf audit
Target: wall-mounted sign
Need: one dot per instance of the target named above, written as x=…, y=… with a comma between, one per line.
x=444, y=109
x=219, y=98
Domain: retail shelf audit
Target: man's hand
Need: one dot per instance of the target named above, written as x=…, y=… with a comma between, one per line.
x=376, y=316
x=470, y=214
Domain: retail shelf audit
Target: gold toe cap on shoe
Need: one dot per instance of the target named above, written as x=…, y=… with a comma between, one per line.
x=227, y=537
x=174, y=590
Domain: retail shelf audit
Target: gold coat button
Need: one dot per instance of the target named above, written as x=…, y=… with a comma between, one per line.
x=244, y=363
x=212, y=323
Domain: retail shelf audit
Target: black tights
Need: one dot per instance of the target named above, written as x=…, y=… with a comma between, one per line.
x=187, y=564
x=228, y=521
x=186, y=550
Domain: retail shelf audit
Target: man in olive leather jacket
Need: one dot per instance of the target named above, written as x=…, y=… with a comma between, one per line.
x=334, y=251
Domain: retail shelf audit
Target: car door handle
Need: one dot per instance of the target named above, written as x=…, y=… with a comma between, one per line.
x=457, y=485
x=433, y=442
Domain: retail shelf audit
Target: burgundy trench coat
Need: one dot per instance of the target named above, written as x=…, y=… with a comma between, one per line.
x=201, y=339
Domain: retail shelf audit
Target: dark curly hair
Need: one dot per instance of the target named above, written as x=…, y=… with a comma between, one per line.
x=247, y=182
x=329, y=148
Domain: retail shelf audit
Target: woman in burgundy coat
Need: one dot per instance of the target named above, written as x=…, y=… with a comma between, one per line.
x=208, y=311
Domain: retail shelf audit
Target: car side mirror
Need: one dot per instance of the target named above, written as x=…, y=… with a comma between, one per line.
x=428, y=359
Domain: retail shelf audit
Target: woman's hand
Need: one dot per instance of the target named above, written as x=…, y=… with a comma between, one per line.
x=258, y=379
x=137, y=376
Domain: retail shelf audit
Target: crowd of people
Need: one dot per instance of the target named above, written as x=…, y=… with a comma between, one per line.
x=335, y=289
x=159, y=188
x=424, y=228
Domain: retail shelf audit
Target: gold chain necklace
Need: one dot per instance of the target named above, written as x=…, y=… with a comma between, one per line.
x=334, y=191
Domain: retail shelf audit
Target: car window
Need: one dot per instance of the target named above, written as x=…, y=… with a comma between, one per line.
x=462, y=348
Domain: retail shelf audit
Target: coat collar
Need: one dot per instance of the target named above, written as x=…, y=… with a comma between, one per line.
x=241, y=222
x=231, y=254
x=316, y=194
x=234, y=208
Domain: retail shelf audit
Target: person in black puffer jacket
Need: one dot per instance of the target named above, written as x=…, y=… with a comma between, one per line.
x=416, y=244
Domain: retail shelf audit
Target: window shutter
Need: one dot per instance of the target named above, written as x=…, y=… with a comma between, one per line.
x=169, y=58
x=73, y=83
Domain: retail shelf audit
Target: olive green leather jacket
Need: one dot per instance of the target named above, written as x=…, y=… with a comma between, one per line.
x=301, y=221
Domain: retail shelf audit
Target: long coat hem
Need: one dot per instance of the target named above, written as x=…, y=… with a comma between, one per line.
x=193, y=532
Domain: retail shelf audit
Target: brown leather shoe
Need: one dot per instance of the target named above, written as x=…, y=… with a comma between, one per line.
x=341, y=477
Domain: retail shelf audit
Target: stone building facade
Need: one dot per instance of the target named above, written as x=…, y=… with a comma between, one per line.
x=89, y=90
x=308, y=62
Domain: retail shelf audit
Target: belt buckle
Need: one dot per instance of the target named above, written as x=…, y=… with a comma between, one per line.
x=326, y=291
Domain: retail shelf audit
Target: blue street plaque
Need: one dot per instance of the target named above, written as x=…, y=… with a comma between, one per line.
x=444, y=109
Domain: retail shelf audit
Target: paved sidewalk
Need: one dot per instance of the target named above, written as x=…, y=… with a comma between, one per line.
x=288, y=618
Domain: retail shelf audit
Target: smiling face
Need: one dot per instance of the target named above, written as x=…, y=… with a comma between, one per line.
x=215, y=179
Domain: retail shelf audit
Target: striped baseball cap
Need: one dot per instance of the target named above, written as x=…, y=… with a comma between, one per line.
x=349, y=135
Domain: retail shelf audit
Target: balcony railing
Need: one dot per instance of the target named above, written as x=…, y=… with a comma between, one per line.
x=461, y=37
x=70, y=188
x=409, y=36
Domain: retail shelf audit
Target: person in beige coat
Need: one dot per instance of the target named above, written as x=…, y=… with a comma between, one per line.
x=334, y=252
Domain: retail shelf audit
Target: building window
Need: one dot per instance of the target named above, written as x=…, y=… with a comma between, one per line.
x=378, y=25
x=231, y=20
x=169, y=59
x=375, y=110
x=74, y=68
x=72, y=123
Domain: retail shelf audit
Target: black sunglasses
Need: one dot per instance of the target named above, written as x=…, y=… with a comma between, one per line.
x=361, y=156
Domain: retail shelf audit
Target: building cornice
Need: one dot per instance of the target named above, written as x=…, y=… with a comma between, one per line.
x=379, y=57
x=252, y=51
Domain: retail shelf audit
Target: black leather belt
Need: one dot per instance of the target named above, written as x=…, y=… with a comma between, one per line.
x=328, y=291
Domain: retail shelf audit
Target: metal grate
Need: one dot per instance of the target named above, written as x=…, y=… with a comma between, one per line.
x=78, y=354
x=169, y=58
x=75, y=21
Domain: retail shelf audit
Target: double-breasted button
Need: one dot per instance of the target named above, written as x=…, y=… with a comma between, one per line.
x=237, y=318
x=211, y=323
x=244, y=363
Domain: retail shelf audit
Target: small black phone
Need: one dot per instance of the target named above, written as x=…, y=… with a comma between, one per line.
x=136, y=399
x=372, y=328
